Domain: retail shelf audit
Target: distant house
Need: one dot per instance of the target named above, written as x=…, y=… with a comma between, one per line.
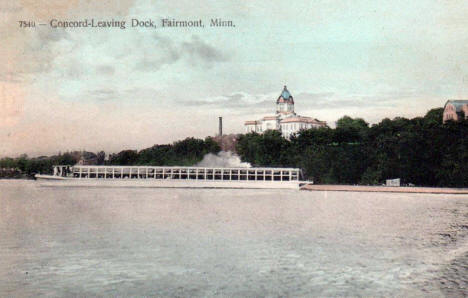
x=455, y=110
x=87, y=158
x=87, y=161
x=285, y=120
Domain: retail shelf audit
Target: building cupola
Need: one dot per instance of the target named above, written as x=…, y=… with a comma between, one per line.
x=285, y=103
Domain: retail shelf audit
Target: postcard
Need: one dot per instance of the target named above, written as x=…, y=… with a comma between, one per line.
x=233, y=148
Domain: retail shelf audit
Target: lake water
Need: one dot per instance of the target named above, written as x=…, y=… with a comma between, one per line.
x=218, y=242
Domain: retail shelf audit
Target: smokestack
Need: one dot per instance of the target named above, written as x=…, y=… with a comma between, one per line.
x=220, y=126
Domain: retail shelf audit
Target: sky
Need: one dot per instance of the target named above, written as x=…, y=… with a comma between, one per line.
x=112, y=89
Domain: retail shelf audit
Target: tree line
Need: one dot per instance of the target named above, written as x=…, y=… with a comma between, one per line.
x=421, y=151
x=185, y=153
x=182, y=153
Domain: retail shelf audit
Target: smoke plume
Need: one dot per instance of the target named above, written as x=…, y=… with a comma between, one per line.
x=224, y=159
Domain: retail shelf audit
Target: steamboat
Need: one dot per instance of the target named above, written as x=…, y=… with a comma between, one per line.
x=172, y=177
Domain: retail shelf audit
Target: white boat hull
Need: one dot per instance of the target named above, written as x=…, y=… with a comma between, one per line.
x=49, y=180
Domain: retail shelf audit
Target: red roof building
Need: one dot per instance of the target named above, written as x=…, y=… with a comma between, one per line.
x=455, y=110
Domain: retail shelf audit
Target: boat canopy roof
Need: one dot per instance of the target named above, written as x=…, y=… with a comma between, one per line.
x=182, y=167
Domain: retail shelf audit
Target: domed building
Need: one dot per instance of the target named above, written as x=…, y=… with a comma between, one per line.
x=285, y=119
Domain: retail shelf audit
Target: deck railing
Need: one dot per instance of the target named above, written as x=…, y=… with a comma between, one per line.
x=187, y=173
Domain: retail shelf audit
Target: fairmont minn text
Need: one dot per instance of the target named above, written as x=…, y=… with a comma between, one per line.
x=136, y=23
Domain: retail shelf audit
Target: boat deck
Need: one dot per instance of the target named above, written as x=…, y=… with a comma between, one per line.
x=178, y=173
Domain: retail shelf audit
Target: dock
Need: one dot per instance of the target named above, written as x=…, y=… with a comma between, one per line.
x=402, y=189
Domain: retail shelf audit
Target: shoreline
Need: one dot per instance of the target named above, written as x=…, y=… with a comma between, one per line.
x=347, y=188
x=394, y=189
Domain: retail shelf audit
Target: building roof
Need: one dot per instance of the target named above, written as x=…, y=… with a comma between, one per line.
x=457, y=103
x=270, y=118
x=285, y=97
x=302, y=119
x=250, y=122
